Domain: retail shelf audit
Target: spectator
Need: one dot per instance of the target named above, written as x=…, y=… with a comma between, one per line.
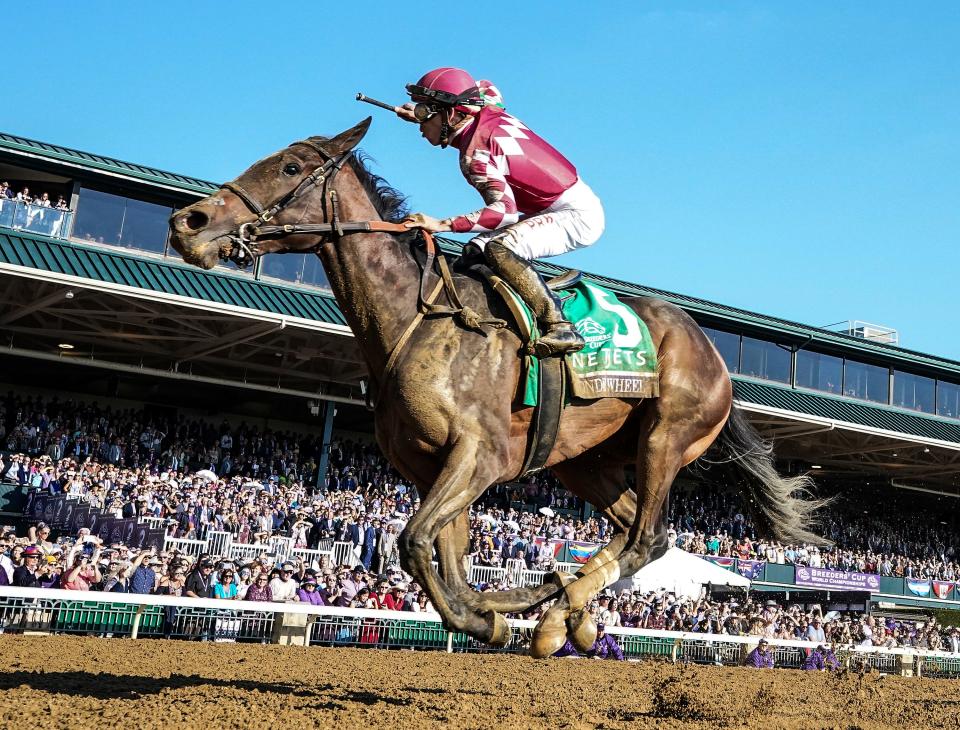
x=308, y=593
x=200, y=581
x=352, y=585
x=761, y=657
x=29, y=574
x=244, y=579
x=386, y=545
x=605, y=646
x=226, y=587
x=284, y=587
x=84, y=573
x=361, y=600
x=6, y=563
x=815, y=631
x=144, y=579
x=394, y=598
x=422, y=603
x=259, y=590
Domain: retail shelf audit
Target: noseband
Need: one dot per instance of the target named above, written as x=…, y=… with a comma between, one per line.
x=245, y=238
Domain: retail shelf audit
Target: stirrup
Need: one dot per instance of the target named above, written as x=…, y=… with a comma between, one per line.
x=559, y=339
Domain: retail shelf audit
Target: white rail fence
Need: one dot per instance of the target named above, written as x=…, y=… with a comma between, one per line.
x=220, y=543
x=113, y=615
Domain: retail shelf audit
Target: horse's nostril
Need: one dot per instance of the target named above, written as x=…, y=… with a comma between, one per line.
x=195, y=220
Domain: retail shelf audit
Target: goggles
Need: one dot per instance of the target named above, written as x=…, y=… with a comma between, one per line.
x=422, y=111
x=439, y=99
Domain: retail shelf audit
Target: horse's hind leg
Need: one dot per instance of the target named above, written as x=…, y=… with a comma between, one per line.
x=465, y=475
x=594, y=477
x=675, y=429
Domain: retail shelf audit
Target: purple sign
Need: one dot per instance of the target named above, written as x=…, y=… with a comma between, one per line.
x=836, y=579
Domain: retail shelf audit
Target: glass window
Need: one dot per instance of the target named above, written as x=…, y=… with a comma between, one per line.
x=727, y=344
x=298, y=268
x=914, y=392
x=820, y=372
x=119, y=221
x=868, y=382
x=766, y=360
x=99, y=217
x=145, y=226
x=948, y=399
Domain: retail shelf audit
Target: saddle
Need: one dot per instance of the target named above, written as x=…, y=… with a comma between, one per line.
x=619, y=360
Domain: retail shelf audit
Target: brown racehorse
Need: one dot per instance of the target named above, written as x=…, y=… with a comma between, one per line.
x=447, y=416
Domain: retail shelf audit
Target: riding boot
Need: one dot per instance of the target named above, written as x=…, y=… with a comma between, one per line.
x=470, y=256
x=557, y=335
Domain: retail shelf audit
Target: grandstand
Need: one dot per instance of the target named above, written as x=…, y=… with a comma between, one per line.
x=94, y=303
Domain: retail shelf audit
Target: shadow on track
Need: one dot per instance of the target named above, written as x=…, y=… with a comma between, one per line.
x=121, y=686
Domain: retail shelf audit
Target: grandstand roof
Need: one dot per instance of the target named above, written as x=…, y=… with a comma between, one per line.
x=795, y=331
x=717, y=314
x=846, y=410
x=99, y=163
x=164, y=276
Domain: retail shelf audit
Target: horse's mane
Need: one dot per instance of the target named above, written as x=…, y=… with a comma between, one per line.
x=390, y=203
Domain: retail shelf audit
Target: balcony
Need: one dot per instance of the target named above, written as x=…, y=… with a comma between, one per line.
x=34, y=218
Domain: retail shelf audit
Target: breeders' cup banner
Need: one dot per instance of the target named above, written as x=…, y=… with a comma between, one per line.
x=836, y=579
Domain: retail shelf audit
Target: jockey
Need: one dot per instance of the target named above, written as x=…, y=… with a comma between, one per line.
x=535, y=204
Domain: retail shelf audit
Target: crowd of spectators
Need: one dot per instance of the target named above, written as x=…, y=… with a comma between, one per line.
x=256, y=483
x=38, y=213
x=898, y=536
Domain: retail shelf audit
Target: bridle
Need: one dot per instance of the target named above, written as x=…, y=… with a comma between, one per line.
x=246, y=238
x=245, y=243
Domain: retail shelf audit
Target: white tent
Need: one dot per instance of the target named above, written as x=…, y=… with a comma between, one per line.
x=681, y=573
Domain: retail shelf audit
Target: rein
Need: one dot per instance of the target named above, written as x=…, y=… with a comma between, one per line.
x=245, y=245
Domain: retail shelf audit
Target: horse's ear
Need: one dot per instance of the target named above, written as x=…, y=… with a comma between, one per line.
x=346, y=141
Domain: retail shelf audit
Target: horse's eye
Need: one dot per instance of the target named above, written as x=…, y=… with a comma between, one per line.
x=291, y=169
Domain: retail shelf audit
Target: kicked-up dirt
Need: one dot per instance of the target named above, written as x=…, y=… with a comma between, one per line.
x=65, y=682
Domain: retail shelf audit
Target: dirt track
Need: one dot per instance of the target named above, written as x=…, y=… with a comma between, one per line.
x=57, y=682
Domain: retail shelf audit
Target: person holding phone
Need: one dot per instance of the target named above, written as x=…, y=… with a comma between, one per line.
x=84, y=572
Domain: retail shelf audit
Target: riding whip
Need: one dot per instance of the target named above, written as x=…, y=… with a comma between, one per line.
x=375, y=102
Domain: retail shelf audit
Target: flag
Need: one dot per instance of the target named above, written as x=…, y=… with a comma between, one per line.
x=722, y=562
x=918, y=587
x=942, y=588
x=582, y=551
x=750, y=569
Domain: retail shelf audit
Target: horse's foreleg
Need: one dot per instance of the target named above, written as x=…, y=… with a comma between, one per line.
x=464, y=477
x=595, y=478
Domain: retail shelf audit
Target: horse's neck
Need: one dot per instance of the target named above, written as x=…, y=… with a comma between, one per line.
x=374, y=279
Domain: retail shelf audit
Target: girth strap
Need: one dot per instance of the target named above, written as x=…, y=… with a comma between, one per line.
x=545, y=424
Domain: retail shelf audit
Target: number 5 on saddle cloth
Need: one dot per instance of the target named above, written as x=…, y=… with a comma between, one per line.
x=619, y=360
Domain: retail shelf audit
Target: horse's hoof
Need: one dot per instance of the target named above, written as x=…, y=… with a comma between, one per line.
x=549, y=635
x=582, y=629
x=560, y=578
x=500, y=631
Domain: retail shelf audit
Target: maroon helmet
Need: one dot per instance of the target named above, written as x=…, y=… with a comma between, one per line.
x=448, y=86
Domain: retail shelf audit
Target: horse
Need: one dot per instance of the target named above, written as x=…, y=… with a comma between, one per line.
x=447, y=414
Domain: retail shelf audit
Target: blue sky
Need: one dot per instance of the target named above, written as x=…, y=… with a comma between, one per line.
x=799, y=160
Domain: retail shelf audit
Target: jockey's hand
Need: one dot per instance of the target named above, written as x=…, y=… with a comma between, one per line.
x=405, y=112
x=426, y=223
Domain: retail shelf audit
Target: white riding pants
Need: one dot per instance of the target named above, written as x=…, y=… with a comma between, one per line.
x=575, y=220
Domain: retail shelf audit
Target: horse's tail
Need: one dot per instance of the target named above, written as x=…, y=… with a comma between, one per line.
x=782, y=507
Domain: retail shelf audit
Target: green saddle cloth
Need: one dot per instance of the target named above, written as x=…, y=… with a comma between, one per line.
x=619, y=360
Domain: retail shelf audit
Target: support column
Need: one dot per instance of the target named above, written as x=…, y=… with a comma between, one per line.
x=74, y=200
x=329, y=410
